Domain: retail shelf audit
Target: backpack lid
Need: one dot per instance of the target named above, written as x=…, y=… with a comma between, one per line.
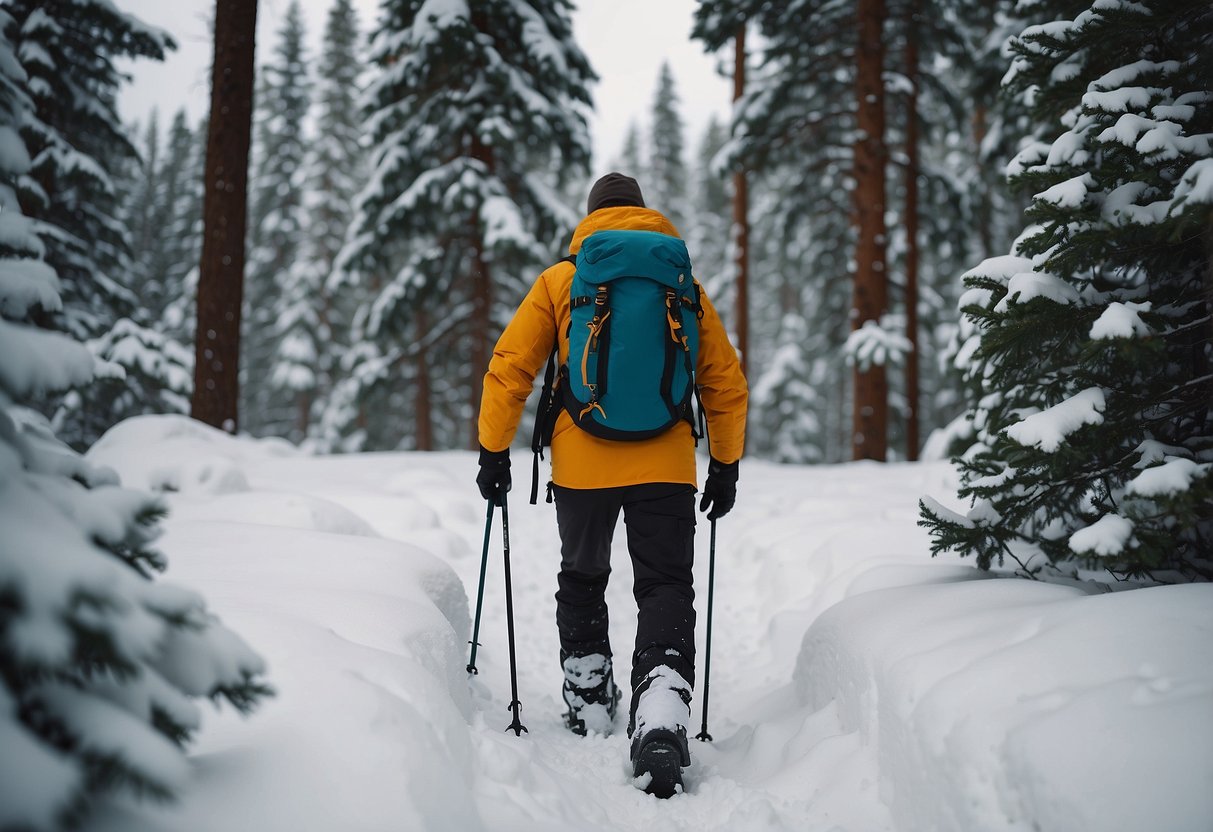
x=607, y=255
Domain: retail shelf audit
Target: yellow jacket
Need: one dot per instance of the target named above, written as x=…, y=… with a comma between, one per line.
x=580, y=460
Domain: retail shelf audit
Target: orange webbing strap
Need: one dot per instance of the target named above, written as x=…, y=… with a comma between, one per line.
x=591, y=345
x=675, y=321
x=594, y=405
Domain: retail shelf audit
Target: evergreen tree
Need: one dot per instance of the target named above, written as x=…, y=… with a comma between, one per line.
x=78, y=147
x=709, y=224
x=74, y=137
x=276, y=223
x=666, y=181
x=631, y=155
x=465, y=106
x=142, y=213
x=313, y=329
x=1091, y=347
x=183, y=251
x=99, y=664
x=795, y=130
x=785, y=397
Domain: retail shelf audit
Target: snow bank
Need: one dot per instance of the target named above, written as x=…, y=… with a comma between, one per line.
x=175, y=453
x=1007, y=704
x=366, y=637
x=856, y=683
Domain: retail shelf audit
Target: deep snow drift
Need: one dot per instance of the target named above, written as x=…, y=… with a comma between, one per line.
x=856, y=684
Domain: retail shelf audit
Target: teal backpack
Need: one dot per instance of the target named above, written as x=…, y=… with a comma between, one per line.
x=633, y=342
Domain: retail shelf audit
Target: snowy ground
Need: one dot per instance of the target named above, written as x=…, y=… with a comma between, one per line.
x=856, y=684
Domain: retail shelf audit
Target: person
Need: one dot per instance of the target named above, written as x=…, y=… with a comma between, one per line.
x=652, y=481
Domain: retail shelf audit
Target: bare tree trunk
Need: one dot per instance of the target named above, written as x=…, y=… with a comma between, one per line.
x=424, y=438
x=741, y=220
x=911, y=173
x=221, y=275
x=870, y=420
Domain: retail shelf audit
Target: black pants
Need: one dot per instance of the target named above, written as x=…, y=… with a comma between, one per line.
x=660, y=521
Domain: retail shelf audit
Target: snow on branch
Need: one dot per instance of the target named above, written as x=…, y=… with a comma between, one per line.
x=1172, y=477
x=875, y=344
x=1047, y=429
x=1027, y=286
x=1107, y=536
x=1121, y=320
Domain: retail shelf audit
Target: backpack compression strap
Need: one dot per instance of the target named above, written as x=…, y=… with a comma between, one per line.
x=545, y=417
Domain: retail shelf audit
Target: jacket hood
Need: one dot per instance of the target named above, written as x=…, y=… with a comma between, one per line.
x=624, y=217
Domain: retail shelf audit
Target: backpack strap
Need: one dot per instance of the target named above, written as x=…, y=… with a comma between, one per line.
x=545, y=417
x=675, y=343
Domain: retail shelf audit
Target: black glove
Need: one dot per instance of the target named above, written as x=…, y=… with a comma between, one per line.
x=494, y=476
x=720, y=490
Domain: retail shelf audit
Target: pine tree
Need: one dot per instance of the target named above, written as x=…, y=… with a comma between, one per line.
x=183, y=253
x=1091, y=347
x=666, y=181
x=99, y=664
x=795, y=129
x=631, y=155
x=143, y=214
x=709, y=226
x=78, y=147
x=785, y=397
x=276, y=223
x=465, y=105
x=313, y=329
x=74, y=136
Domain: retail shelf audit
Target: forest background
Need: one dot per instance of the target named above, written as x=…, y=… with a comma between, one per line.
x=308, y=372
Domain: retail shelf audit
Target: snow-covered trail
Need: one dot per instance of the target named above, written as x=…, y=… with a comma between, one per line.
x=857, y=684
x=773, y=764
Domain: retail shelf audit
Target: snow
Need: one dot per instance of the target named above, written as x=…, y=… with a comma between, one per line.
x=857, y=684
x=25, y=284
x=1121, y=320
x=1196, y=186
x=876, y=343
x=37, y=361
x=1068, y=194
x=1049, y=428
x=1173, y=476
x=1106, y=536
x=1026, y=286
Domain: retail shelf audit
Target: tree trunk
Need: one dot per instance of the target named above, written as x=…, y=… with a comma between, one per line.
x=221, y=275
x=424, y=439
x=985, y=210
x=869, y=434
x=741, y=221
x=911, y=173
x=304, y=413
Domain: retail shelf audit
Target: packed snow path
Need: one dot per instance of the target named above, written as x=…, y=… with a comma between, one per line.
x=931, y=699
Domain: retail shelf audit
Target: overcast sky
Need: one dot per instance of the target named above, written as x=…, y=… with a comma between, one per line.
x=626, y=41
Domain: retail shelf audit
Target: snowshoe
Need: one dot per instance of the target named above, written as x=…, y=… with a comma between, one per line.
x=590, y=693
x=658, y=727
x=658, y=758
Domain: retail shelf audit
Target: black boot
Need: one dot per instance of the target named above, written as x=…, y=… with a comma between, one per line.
x=590, y=694
x=661, y=709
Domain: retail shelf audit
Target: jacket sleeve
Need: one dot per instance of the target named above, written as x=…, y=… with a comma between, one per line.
x=518, y=357
x=721, y=386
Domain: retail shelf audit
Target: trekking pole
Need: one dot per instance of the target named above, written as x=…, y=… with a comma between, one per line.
x=484, y=565
x=703, y=734
x=515, y=706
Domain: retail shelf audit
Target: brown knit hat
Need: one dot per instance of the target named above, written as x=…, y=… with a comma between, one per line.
x=613, y=190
